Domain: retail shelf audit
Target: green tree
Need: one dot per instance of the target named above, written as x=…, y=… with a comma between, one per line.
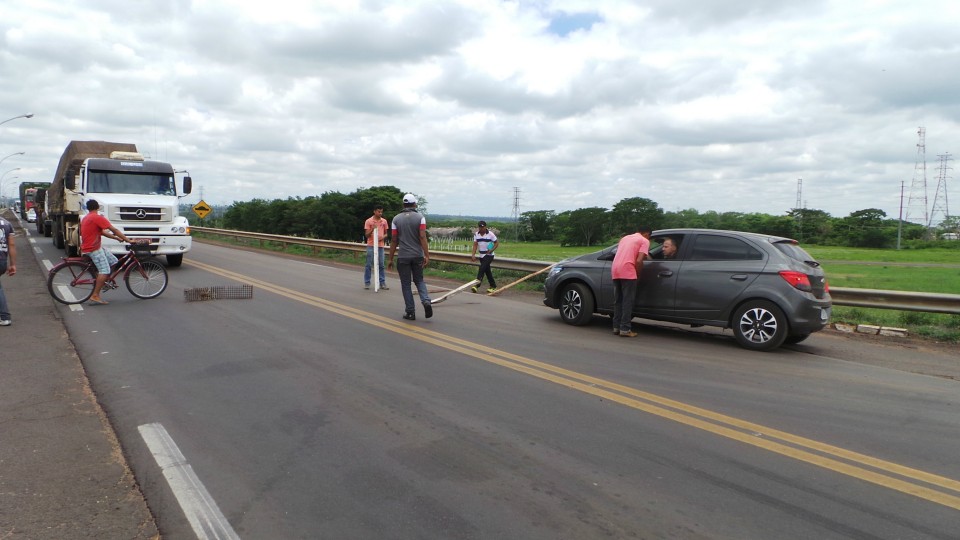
x=583, y=227
x=863, y=228
x=812, y=226
x=632, y=212
x=537, y=225
x=682, y=219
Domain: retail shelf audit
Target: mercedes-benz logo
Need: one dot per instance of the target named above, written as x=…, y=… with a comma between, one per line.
x=140, y=213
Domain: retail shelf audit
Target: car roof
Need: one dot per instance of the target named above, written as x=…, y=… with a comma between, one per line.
x=756, y=236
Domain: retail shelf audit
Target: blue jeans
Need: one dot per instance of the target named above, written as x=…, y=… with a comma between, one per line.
x=368, y=271
x=624, y=292
x=4, y=308
x=412, y=270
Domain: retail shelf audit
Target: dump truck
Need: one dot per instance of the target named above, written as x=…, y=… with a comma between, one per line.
x=28, y=192
x=40, y=206
x=137, y=195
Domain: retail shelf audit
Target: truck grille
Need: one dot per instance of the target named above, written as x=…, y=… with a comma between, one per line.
x=140, y=213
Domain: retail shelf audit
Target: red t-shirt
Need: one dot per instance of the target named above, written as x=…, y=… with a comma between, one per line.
x=625, y=262
x=91, y=227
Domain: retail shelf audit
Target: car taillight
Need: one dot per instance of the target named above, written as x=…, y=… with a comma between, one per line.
x=797, y=280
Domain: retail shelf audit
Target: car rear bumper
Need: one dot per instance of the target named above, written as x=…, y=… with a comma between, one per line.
x=811, y=318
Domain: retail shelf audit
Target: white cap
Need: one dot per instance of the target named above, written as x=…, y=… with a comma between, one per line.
x=409, y=198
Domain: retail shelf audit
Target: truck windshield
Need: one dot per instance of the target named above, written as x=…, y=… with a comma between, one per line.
x=139, y=184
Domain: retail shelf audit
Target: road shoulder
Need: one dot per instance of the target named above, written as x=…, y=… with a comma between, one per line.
x=62, y=472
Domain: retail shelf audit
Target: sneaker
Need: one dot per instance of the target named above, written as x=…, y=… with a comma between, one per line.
x=491, y=290
x=410, y=316
x=628, y=334
x=427, y=310
x=473, y=289
x=6, y=322
x=366, y=286
x=383, y=287
x=616, y=331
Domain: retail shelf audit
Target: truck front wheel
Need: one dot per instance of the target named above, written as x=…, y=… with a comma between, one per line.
x=175, y=260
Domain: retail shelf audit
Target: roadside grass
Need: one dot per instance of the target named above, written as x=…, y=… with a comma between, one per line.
x=934, y=326
x=918, y=256
x=894, y=278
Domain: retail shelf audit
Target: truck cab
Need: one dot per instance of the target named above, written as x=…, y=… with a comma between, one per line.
x=139, y=197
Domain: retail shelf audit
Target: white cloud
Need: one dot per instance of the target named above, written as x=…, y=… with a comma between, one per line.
x=578, y=103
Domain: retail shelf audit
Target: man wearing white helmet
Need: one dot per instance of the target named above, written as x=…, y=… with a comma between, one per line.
x=409, y=230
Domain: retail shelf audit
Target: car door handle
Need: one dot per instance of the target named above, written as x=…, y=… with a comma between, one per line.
x=739, y=277
x=665, y=273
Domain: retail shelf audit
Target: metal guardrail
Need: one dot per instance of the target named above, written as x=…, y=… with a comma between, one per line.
x=520, y=265
x=842, y=296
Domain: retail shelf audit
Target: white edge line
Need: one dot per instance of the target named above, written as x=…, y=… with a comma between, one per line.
x=199, y=507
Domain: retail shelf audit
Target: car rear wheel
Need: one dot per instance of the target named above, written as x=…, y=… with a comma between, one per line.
x=576, y=304
x=759, y=326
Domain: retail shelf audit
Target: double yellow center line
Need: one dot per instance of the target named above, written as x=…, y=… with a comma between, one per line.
x=924, y=485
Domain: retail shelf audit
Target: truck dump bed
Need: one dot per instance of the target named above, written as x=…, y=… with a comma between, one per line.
x=70, y=161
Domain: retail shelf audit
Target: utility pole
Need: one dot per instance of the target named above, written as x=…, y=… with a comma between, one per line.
x=515, y=214
x=900, y=220
x=798, y=210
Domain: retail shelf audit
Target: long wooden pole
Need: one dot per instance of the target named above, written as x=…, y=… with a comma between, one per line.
x=524, y=278
x=455, y=291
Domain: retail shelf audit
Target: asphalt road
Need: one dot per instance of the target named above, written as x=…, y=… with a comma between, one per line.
x=313, y=411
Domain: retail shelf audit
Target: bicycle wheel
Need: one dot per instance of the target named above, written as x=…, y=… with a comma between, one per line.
x=71, y=282
x=146, y=280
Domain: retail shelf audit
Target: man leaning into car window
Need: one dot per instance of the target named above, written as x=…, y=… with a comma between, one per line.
x=625, y=271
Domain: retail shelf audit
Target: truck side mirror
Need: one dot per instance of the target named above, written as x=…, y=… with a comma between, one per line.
x=70, y=182
x=187, y=185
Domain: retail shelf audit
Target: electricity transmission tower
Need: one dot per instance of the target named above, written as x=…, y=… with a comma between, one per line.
x=917, y=203
x=940, y=206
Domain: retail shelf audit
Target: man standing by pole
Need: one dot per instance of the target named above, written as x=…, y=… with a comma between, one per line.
x=375, y=232
x=625, y=271
x=410, y=239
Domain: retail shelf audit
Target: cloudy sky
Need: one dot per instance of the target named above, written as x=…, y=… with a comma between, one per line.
x=693, y=104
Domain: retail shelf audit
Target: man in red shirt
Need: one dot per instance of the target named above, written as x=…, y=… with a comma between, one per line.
x=376, y=222
x=92, y=227
x=625, y=271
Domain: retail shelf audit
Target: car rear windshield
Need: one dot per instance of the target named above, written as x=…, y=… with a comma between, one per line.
x=794, y=251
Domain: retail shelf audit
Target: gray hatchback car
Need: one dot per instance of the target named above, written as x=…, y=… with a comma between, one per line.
x=767, y=289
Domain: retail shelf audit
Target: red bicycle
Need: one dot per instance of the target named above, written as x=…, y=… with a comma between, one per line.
x=72, y=280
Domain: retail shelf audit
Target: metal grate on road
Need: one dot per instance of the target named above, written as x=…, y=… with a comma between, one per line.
x=218, y=292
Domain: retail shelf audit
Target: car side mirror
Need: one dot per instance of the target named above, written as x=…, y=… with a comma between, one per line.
x=70, y=182
x=187, y=185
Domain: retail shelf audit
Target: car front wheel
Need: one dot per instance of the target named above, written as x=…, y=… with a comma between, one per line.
x=576, y=304
x=759, y=326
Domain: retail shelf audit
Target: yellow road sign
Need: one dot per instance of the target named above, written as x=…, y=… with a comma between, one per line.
x=202, y=209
